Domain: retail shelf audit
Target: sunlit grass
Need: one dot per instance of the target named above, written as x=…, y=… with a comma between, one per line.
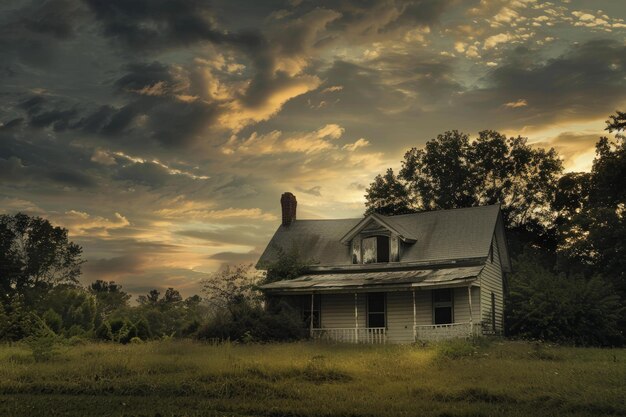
x=307, y=379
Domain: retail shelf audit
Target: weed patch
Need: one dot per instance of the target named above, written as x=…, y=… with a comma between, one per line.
x=456, y=349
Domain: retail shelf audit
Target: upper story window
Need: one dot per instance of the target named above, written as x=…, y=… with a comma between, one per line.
x=375, y=249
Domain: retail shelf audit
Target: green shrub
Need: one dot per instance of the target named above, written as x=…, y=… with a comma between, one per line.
x=552, y=307
x=247, y=323
x=43, y=343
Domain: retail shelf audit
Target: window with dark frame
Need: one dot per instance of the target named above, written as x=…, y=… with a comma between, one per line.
x=306, y=310
x=376, y=306
x=442, y=306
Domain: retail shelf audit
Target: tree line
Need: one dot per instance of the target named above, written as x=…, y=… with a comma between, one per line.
x=43, y=303
x=566, y=231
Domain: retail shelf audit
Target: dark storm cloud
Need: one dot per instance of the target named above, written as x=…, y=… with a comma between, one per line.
x=374, y=18
x=176, y=124
x=43, y=113
x=587, y=81
x=14, y=170
x=31, y=32
x=53, y=17
x=43, y=162
x=142, y=75
x=142, y=24
x=168, y=120
x=100, y=121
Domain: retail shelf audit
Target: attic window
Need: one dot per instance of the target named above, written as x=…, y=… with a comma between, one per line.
x=375, y=249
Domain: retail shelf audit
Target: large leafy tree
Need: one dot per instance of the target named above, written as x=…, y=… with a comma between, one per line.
x=453, y=171
x=35, y=255
x=388, y=196
x=591, y=211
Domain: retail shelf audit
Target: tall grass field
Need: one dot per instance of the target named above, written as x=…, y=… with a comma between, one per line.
x=184, y=378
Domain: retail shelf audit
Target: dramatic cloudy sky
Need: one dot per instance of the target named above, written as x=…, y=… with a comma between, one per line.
x=161, y=133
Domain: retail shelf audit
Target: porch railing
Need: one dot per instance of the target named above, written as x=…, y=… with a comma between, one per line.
x=435, y=332
x=371, y=335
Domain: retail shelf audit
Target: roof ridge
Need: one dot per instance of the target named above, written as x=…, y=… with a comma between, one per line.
x=446, y=210
x=406, y=214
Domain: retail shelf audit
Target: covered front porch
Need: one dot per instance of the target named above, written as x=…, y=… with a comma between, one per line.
x=426, y=314
x=393, y=306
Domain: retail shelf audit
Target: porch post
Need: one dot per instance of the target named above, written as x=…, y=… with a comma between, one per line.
x=356, y=318
x=312, y=307
x=469, y=297
x=414, y=319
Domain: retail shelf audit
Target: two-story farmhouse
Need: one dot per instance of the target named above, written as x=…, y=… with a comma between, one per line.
x=378, y=279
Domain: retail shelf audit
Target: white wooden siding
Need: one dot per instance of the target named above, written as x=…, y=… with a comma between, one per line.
x=338, y=310
x=400, y=317
x=461, y=305
x=491, y=281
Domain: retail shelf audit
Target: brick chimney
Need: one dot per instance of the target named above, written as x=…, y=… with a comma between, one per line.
x=288, y=203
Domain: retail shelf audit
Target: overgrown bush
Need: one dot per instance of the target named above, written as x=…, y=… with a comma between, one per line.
x=247, y=322
x=546, y=306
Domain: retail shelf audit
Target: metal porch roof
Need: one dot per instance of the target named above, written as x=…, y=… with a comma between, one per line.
x=373, y=280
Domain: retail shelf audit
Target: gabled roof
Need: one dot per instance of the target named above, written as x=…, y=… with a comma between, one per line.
x=439, y=236
x=388, y=222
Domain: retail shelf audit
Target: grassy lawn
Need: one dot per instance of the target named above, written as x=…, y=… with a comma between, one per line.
x=183, y=378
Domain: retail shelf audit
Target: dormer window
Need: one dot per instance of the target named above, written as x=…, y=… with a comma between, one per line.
x=377, y=239
x=375, y=249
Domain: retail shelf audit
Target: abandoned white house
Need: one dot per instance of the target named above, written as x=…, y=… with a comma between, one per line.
x=378, y=279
